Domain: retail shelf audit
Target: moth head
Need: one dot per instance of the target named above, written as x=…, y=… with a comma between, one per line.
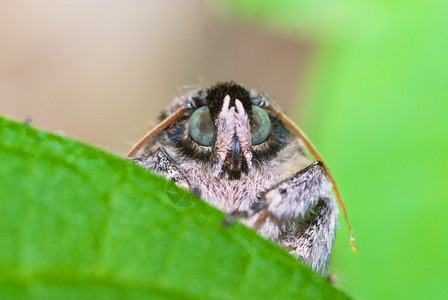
x=227, y=129
x=229, y=125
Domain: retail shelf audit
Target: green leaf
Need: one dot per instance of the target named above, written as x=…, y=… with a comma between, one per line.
x=79, y=222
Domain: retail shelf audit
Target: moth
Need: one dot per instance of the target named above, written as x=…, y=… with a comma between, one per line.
x=237, y=151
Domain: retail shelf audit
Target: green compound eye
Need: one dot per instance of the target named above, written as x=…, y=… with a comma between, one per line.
x=201, y=128
x=261, y=125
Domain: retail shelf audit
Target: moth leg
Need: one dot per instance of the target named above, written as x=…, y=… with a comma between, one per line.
x=300, y=213
x=160, y=162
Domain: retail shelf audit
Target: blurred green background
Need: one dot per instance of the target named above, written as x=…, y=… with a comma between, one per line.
x=367, y=80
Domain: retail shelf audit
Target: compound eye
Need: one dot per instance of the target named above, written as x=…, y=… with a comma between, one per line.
x=201, y=128
x=261, y=125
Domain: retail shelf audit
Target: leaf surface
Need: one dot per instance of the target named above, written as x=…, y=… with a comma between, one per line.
x=77, y=222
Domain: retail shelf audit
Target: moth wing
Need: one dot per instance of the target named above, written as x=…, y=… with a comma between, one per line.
x=300, y=213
